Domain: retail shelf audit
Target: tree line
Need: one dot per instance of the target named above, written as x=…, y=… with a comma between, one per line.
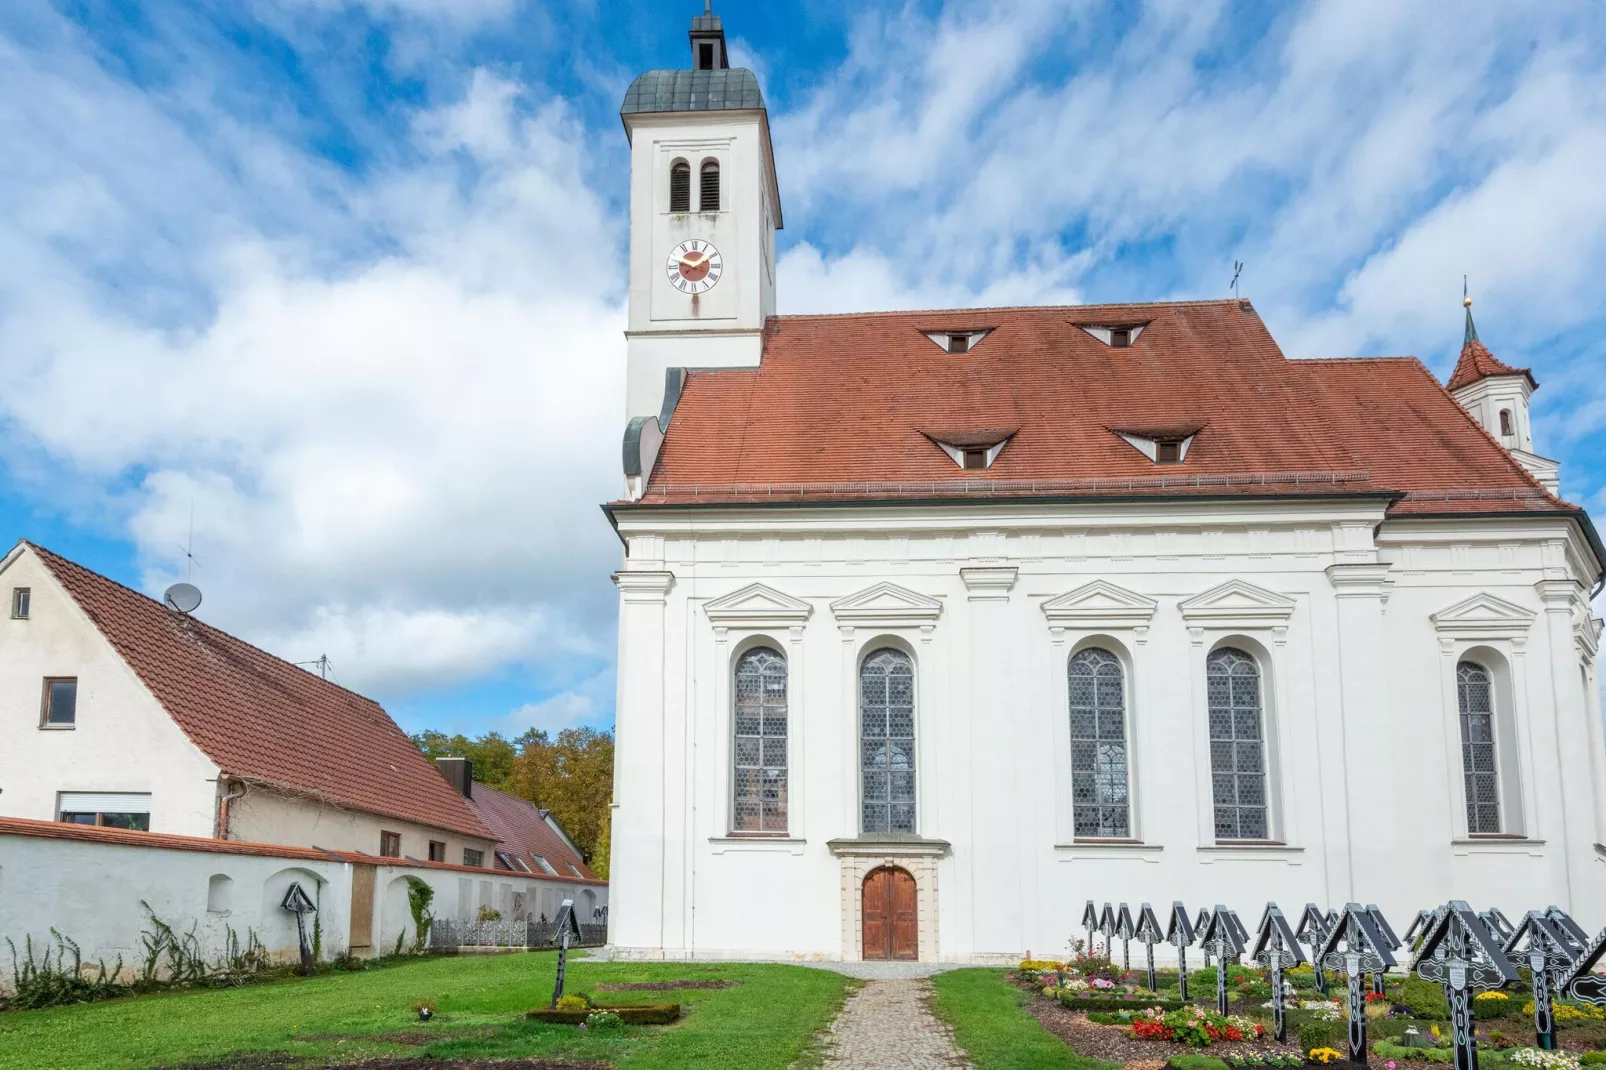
x=570, y=774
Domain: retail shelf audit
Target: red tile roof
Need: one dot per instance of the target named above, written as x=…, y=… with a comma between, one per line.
x=837, y=409
x=1477, y=363
x=61, y=830
x=521, y=829
x=262, y=719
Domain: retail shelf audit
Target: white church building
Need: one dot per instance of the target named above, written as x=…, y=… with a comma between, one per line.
x=935, y=625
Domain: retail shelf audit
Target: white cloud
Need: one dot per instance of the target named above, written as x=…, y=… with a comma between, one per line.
x=393, y=447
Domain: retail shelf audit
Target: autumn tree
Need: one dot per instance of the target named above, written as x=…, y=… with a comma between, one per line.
x=492, y=755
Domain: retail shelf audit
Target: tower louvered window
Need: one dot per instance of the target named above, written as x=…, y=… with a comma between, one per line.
x=887, y=742
x=708, y=200
x=680, y=186
x=1237, y=746
x=760, y=747
x=1098, y=745
x=1476, y=701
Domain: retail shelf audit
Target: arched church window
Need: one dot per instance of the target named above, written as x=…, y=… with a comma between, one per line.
x=760, y=745
x=708, y=195
x=1098, y=745
x=887, y=742
x=1237, y=746
x=1505, y=422
x=680, y=186
x=1475, y=697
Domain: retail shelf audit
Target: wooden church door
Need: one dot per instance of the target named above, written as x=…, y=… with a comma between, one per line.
x=891, y=915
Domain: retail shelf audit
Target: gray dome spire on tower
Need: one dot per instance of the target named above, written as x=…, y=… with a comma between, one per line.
x=708, y=41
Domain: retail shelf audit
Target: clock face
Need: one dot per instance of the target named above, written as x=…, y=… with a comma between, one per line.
x=694, y=266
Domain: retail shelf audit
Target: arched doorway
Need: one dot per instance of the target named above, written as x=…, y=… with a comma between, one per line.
x=891, y=918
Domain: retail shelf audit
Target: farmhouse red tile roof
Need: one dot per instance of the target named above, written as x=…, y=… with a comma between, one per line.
x=837, y=409
x=521, y=829
x=62, y=830
x=1476, y=362
x=263, y=719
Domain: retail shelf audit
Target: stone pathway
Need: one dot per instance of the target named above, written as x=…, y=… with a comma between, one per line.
x=886, y=1025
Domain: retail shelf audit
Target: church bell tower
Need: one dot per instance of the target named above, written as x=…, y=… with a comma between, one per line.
x=704, y=208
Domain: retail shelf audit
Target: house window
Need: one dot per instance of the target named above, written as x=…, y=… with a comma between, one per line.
x=472, y=857
x=1098, y=745
x=1475, y=697
x=887, y=742
x=708, y=192
x=116, y=810
x=975, y=458
x=1237, y=749
x=1505, y=422
x=680, y=186
x=1120, y=337
x=1167, y=452
x=60, y=708
x=437, y=851
x=959, y=343
x=390, y=845
x=546, y=867
x=21, y=597
x=760, y=751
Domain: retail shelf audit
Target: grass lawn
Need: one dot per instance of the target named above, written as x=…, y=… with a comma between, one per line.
x=766, y=1021
x=992, y=1026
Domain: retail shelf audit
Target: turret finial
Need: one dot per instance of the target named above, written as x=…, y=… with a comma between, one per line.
x=1471, y=334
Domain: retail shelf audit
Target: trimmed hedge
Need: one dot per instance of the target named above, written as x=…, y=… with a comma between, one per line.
x=1434, y=1055
x=1424, y=999
x=649, y=1014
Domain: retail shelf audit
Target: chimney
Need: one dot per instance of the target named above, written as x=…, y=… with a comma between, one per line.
x=459, y=773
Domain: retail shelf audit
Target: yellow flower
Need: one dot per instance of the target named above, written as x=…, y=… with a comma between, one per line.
x=1325, y=1055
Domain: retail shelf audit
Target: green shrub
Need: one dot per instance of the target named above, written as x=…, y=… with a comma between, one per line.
x=1433, y=1055
x=573, y=1003
x=1254, y=991
x=1110, y=1018
x=1424, y=999
x=1314, y=1034
x=1592, y=1058
x=56, y=978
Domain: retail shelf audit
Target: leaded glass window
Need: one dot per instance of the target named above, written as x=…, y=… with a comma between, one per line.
x=1237, y=746
x=1477, y=747
x=1098, y=745
x=760, y=750
x=887, y=742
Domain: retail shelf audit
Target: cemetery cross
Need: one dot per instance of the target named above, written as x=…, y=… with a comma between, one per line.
x=1459, y=953
x=1277, y=947
x=1179, y=934
x=1148, y=931
x=1365, y=950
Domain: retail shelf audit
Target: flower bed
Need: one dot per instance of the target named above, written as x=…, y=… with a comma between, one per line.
x=1194, y=1026
x=649, y=1014
x=1133, y=1001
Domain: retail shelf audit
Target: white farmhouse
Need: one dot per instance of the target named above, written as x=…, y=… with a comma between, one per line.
x=934, y=625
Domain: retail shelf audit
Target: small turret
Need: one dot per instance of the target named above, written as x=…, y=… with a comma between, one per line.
x=1496, y=395
x=708, y=41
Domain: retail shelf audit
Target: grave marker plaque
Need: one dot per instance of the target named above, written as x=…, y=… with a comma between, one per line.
x=1459, y=953
x=1364, y=950
x=1148, y=932
x=1179, y=934
x=1277, y=947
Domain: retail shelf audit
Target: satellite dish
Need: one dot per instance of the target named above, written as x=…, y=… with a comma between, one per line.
x=183, y=598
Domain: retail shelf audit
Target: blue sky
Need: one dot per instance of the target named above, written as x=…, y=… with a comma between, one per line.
x=343, y=280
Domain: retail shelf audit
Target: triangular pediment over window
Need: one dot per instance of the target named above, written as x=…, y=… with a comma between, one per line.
x=1483, y=616
x=886, y=604
x=1100, y=604
x=757, y=606
x=1238, y=604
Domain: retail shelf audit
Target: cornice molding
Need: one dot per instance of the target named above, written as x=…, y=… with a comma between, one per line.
x=643, y=586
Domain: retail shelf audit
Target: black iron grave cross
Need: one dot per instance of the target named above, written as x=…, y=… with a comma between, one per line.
x=1581, y=982
x=1107, y=930
x=1365, y=950
x=297, y=902
x=1459, y=953
x=1277, y=947
x=1179, y=934
x=1125, y=930
x=568, y=926
x=1312, y=933
x=1550, y=956
x=1090, y=922
x=1390, y=941
x=1221, y=936
x=1148, y=933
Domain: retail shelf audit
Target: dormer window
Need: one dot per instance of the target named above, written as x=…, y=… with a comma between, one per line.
x=972, y=450
x=1115, y=335
x=1167, y=445
x=959, y=341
